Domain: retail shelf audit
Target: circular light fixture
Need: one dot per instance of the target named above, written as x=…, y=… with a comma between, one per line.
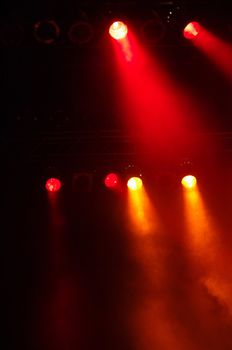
x=111, y=180
x=53, y=185
x=135, y=183
x=118, y=30
x=189, y=181
x=192, y=30
x=46, y=31
x=80, y=32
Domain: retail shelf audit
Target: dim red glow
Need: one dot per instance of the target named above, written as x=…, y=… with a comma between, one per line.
x=118, y=30
x=135, y=183
x=111, y=180
x=189, y=181
x=53, y=185
x=192, y=30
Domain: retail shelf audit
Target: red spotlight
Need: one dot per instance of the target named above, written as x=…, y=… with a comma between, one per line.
x=53, y=185
x=192, y=30
x=118, y=30
x=111, y=180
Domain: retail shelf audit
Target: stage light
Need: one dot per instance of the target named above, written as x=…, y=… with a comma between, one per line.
x=53, y=185
x=46, y=31
x=189, y=181
x=153, y=29
x=111, y=180
x=80, y=32
x=192, y=30
x=135, y=183
x=118, y=30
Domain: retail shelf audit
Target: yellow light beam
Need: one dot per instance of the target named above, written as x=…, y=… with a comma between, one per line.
x=142, y=216
x=209, y=254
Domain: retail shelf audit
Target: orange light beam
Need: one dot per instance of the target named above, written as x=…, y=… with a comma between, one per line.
x=206, y=249
x=142, y=217
x=151, y=321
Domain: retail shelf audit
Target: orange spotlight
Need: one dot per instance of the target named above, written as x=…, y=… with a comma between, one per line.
x=118, y=30
x=135, y=183
x=53, y=185
x=192, y=30
x=189, y=181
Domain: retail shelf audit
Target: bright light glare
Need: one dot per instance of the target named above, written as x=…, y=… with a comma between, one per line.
x=111, y=180
x=118, y=30
x=53, y=185
x=192, y=30
x=135, y=183
x=189, y=181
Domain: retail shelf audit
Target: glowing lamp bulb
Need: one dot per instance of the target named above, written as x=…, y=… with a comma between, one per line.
x=53, y=185
x=111, y=180
x=189, y=181
x=118, y=30
x=134, y=183
x=192, y=30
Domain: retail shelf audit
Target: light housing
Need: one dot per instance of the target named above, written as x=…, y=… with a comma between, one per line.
x=111, y=180
x=135, y=183
x=53, y=185
x=192, y=30
x=118, y=30
x=80, y=32
x=189, y=181
x=46, y=31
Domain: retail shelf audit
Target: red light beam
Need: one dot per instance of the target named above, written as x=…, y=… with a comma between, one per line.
x=219, y=51
x=152, y=104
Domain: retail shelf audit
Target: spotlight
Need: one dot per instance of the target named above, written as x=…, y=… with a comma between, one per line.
x=118, y=30
x=46, y=31
x=135, y=183
x=111, y=180
x=189, y=181
x=80, y=32
x=192, y=30
x=53, y=185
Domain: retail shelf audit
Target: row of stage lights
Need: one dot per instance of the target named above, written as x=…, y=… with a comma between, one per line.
x=112, y=182
x=119, y=30
x=81, y=32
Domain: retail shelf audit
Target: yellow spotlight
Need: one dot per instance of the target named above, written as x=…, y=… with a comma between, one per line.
x=118, y=30
x=189, y=181
x=134, y=183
